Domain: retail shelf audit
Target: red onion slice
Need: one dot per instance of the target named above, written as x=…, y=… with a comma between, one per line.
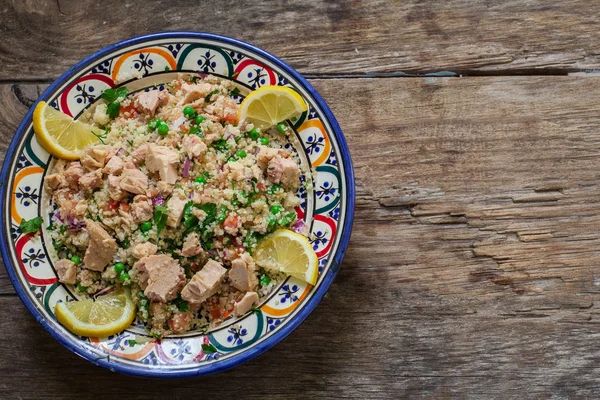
x=186, y=167
x=158, y=200
x=298, y=226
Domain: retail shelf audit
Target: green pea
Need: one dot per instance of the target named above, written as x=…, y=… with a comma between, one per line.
x=163, y=129
x=254, y=134
x=240, y=154
x=81, y=288
x=282, y=127
x=124, y=277
x=276, y=209
x=264, y=141
x=273, y=189
x=76, y=260
x=153, y=124
x=200, y=180
x=199, y=119
x=264, y=280
x=146, y=226
x=119, y=267
x=189, y=112
x=232, y=159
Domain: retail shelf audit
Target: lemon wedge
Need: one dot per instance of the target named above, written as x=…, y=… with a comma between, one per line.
x=269, y=105
x=59, y=134
x=290, y=253
x=104, y=316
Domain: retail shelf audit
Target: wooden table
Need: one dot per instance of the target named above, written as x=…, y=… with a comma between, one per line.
x=473, y=270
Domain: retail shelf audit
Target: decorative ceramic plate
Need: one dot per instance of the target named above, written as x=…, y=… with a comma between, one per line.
x=145, y=63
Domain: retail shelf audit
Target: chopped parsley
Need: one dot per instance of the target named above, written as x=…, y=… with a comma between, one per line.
x=160, y=218
x=114, y=98
x=181, y=304
x=32, y=225
x=208, y=96
x=220, y=145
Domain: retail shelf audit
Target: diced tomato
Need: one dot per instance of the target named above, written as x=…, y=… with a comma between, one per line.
x=231, y=221
x=184, y=128
x=112, y=205
x=232, y=118
x=215, y=312
x=125, y=206
x=129, y=109
x=180, y=321
x=261, y=186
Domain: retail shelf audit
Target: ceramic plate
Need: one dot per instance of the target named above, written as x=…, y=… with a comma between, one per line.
x=146, y=63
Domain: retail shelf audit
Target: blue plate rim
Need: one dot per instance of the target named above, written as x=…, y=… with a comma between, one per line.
x=254, y=351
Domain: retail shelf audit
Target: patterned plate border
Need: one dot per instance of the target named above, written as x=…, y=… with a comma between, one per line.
x=274, y=321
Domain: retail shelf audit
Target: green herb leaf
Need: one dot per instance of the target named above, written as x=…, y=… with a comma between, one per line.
x=32, y=225
x=125, y=244
x=211, y=212
x=131, y=343
x=234, y=92
x=208, y=96
x=113, y=109
x=101, y=136
x=208, y=348
x=111, y=95
x=160, y=218
x=220, y=145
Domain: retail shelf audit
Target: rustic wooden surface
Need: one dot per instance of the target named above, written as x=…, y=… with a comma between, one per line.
x=473, y=269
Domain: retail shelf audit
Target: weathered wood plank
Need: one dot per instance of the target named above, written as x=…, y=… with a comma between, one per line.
x=41, y=39
x=473, y=266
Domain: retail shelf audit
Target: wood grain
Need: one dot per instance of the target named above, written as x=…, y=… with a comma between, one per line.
x=42, y=38
x=472, y=270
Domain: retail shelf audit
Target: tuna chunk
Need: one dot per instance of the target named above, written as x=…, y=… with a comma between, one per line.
x=134, y=181
x=237, y=171
x=195, y=91
x=101, y=248
x=113, y=187
x=241, y=307
x=204, y=283
x=285, y=171
x=91, y=180
x=193, y=146
x=114, y=166
x=242, y=275
x=163, y=160
x=191, y=246
x=67, y=273
x=148, y=102
x=54, y=181
x=160, y=276
x=141, y=208
x=96, y=156
x=142, y=250
x=175, y=207
x=80, y=208
x=139, y=154
x=72, y=174
x=266, y=154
